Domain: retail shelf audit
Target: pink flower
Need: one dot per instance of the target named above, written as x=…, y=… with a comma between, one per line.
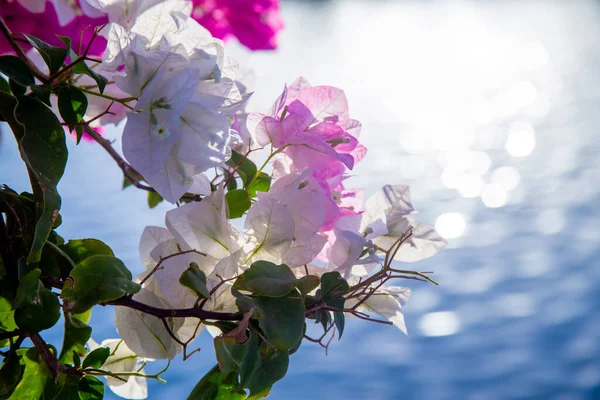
x=49, y=24
x=254, y=23
x=314, y=127
x=315, y=135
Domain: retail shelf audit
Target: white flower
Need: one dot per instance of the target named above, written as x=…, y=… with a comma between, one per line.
x=395, y=202
x=123, y=359
x=187, y=92
x=387, y=302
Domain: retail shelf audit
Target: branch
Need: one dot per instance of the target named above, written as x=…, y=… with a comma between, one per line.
x=19, y=51
x=49, y=358
x=194, y=312
x=127, y=169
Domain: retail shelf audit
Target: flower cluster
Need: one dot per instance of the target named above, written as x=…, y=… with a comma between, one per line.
x=306, y=245
x=254, y=23
x=186, y=93
x=48, y=20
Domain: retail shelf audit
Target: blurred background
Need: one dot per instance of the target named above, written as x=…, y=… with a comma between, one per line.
x=490, y=111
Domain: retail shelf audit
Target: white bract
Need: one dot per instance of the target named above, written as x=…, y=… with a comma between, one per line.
x=186, y=91
x=123, y=360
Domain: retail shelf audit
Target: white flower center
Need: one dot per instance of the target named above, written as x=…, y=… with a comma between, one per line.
x=160, y=132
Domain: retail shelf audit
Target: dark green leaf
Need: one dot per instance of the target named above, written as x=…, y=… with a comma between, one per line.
x=324, y=317
x=42, y=313
x=72, y=104
x=4, y=85
x=242, y=359
x=282, y=319
x=246, y=169
x=307, y=284
x=340, y=320
x=238, y=202
x=262, y=183
x=82, y=68
x=273, y=367
x=332, y=284
x=76, y=335
x=195, y=279
x=96, y=358
x=28, y=289
x=267, y=279
x=154, y=199
x=67, y=387
x=212, y=386
x=16, y=69
x=90, y=388
x=16, y=87
x=231, y=184
x=10, y=375
x=42, y=93
x=53, y=56
x=95, y=280
x=42, y=146
x=37, y=382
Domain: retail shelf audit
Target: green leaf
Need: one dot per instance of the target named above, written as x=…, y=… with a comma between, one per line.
x=4, y=85
x=83, y=68
x=7, y=319
x=127, y=182
x=67, y=387
x=42, y=313
x=72, y=105
x=154, y=199
x=282, y=319
x=246, y=169
x=42, y=93
x=273, y=367
x=77, y=333
x=28, y=289
x=36, y=381
x=10, y=375
x=96, y=358
x=242, y=359
x=82, y=249
x=42, y=146
x=90, y=388
x=332, y=284
x=238, y=202
x=262, y=183
x=212, y=386
x=340, y=320
x=195, y=279
x=307, y=284
x=95, y=280
x=264, y=278
x=16, y=69
x=53, y=56
x=16, y=87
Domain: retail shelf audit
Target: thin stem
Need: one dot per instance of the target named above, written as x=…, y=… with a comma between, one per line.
x=20, y=53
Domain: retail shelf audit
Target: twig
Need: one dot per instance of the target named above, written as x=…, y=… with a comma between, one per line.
x=49, y=358
x=163, y=259
x=20, y=53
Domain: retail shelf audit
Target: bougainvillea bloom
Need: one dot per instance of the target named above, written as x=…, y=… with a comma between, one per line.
x=48, y=21
x=254, y=23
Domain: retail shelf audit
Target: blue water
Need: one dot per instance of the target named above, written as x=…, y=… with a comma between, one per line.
x=489, y=110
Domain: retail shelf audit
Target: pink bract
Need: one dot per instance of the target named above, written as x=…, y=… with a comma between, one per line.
x=255, y=23
x=46, y=26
